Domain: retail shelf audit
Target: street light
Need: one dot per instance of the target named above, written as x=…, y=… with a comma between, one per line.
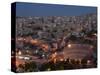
x=88, y=61
x=55, y=53
x=49, y=69
x=43, y=55
x=69, y=45
x=61, y=59
x=19, y=53
x=95, y=34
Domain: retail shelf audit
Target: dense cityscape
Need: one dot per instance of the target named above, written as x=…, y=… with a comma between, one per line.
x=50, y=43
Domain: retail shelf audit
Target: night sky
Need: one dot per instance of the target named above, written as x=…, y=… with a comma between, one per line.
x=38, y=9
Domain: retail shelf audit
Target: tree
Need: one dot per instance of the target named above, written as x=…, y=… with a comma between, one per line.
x=28, y=67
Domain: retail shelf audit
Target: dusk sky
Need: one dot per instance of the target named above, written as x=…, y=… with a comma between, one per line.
x=38, y=9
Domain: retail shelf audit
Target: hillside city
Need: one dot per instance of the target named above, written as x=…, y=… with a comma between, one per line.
x=48, y=43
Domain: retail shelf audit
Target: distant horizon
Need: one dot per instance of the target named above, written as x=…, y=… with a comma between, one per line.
x=25, y=9
x=58, y=15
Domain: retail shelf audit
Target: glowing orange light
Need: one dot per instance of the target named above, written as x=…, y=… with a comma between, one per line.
x=61, y=59
x=69, y=45
x=19, y=53
x=55, y=53
x=34, y=41
x=45, y=46
x=95, y=34
x=88, y=61
x=55, y=60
